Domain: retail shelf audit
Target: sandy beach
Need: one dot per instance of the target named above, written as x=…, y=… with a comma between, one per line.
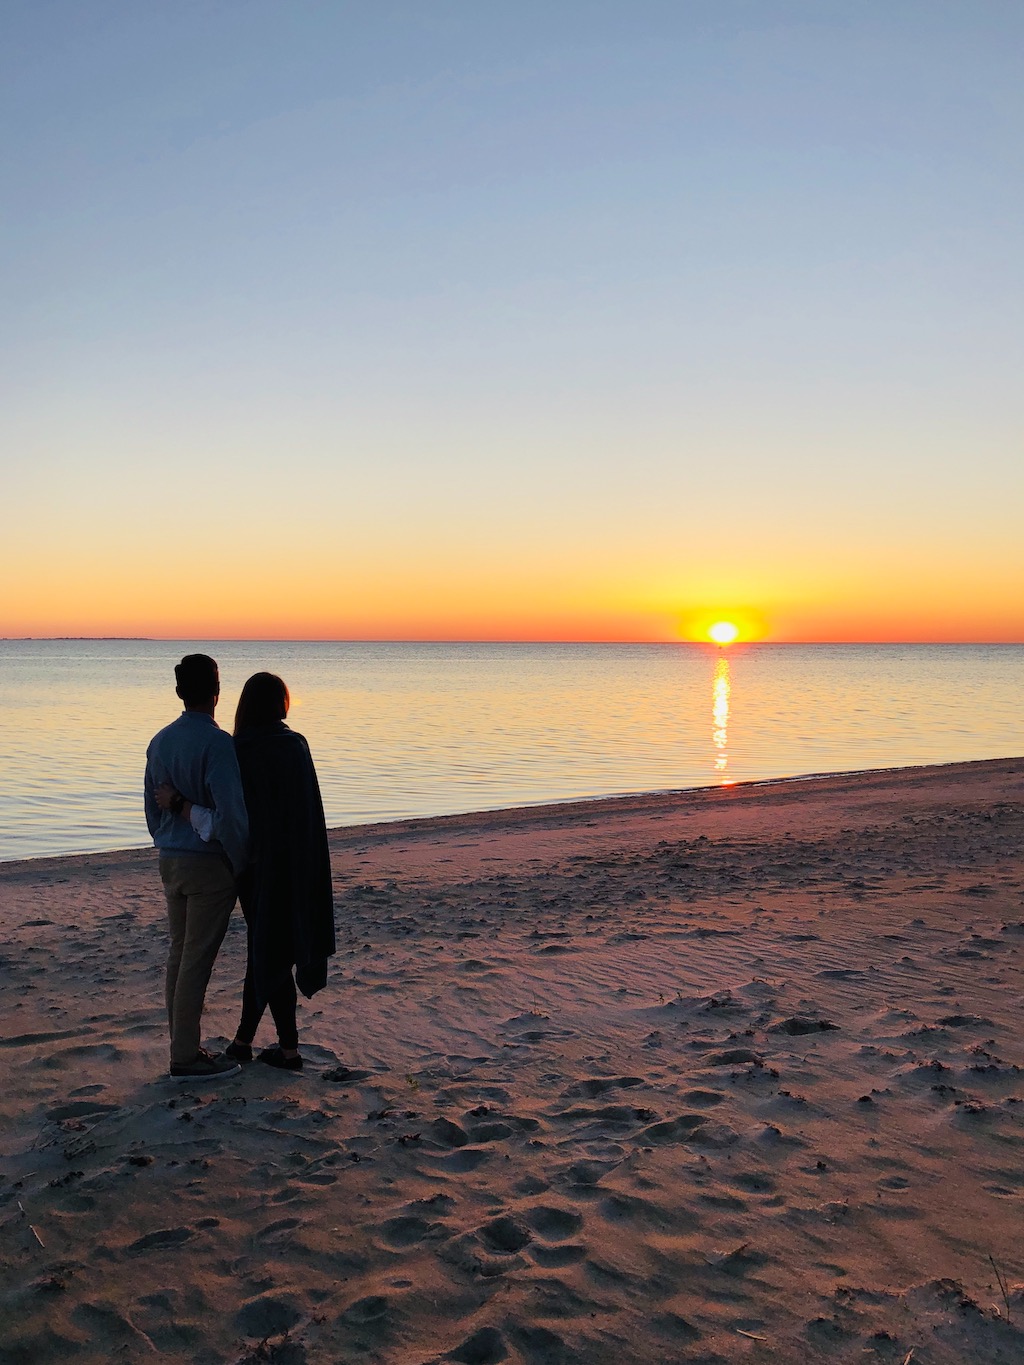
x=719, y=1076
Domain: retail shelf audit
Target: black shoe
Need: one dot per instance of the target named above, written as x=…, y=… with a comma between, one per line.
x=274, y=1056
x=238, y=1052
x=204, y=1067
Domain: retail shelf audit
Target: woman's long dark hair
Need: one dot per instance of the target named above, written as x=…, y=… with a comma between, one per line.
x=264, y=701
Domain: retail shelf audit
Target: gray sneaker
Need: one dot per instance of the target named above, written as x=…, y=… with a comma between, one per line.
x=205, y=1067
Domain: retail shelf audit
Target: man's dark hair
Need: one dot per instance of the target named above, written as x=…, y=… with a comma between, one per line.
x=198, y=679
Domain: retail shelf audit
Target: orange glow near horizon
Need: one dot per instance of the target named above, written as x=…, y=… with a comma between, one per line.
x=539, y=626
x=86, y=580
x=318, y=600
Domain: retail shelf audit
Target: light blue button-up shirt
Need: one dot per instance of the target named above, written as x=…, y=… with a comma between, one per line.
x=198, y=758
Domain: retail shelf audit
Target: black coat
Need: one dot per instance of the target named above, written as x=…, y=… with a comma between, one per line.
x=286, y=891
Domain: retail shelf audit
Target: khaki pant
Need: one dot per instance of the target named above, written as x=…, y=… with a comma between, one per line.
x=200, y=892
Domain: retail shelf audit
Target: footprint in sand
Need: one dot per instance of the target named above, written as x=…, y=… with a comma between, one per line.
x=771, y=1135
x=755, y=1182
x=343, y=1075
x=464, y=1160
x=408, y=1229
x=553, y=1224
x=369, y=1311
x=483, y=1125
x=671, y=1130
x=556, y=1257
x=104, y=1321
x=679, y=1330
x=644, y=1213
x=448, y=1134
x=735, y=1056
x=584, y=1175
x=593, y=1086
x=538, y=1035
x=608, y=1115
x=268, y=1315
x=79, y=1109
x=539, y=1345
x=161, y=1240
x=30, y=1039
x=798, y=1024
x=736, y=1262
x=490, y=1250
x=93, y=1052
x=702, y=1099
x=484, y=1347
x=505, y=1234
x=278, y=1232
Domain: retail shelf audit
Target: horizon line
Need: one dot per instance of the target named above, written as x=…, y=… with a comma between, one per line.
x=452, y=640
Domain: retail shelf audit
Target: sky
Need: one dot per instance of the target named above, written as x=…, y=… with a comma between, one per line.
x=580, y=320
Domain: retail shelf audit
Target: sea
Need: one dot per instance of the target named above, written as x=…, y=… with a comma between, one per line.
x=412, y=729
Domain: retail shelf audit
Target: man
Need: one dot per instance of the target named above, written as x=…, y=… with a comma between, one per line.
x=196, y=757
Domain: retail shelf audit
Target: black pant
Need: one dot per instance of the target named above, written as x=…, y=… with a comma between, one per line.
x=281, y=1001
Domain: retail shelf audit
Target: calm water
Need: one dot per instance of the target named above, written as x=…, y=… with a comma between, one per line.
x=413, y=729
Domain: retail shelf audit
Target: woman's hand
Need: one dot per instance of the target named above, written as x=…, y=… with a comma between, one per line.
x=168, y=797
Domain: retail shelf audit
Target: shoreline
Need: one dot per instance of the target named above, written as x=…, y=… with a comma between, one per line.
x=670, y=1077
x=548, y=810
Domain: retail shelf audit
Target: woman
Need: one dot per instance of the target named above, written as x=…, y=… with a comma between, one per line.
x=285, y=892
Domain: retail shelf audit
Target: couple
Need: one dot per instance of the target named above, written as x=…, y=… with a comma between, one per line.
x=241, y=817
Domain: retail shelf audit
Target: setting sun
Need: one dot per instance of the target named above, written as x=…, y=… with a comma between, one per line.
x=723, y=632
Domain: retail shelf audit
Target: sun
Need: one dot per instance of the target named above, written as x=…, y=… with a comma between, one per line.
x=728, y=623
x=723, y=632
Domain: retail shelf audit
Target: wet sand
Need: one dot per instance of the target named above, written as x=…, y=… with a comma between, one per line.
x=711, y=1077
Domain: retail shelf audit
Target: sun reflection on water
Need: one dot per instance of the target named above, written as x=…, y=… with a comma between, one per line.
x=720, y=692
